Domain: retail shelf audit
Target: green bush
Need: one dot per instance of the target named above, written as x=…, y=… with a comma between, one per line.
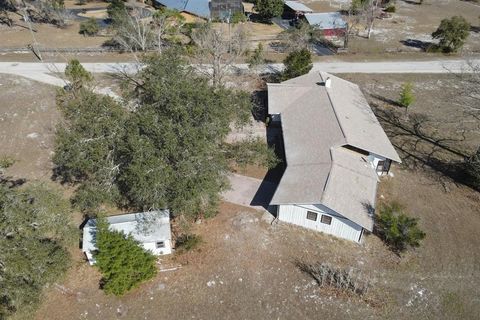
x=396, y=229
x=257, y=57
x=238, y=17
x=452, y=33
x=89, y=27
x=297, y=63
x=124, y=264
x=391, y=8
x=187, y=242
x=406, y=96
x=267, y=9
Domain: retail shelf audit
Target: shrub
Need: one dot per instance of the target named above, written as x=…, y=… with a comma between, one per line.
x=327, y=276
x=257, y=57
x=396, y=229
x=452, y=33
x=391, y=8
x=297, y=63
x=268, y=9
x=187, y=242
x=122, y=261
x=238, y=17
x=406, y=96
x=89, y=27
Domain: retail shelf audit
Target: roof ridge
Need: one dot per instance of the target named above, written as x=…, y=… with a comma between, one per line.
x=333, y=107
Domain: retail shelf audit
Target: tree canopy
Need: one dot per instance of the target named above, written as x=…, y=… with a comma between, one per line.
x=34, y=230
x=398, y=230
x=297, y=63
x=166, y=150
x=123, y=262
x=452, y=33
x=269, y=9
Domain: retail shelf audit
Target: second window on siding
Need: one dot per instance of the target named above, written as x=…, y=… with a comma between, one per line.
x=326, y=219
x=312, y=215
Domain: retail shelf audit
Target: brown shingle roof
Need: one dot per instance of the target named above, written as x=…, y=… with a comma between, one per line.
x=316, y=122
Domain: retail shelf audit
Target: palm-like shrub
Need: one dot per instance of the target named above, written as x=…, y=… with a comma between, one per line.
x=396, y=229
x=122, y=261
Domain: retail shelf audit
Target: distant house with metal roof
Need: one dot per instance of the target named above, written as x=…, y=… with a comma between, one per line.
x=335, y=149
x=294, y=10
x=207, y=9
x=151, y=229
x=331, y=23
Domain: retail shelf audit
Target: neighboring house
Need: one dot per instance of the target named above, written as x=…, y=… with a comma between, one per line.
x=335, y=149
x=151, y=229
x=331, y=23
x=207, y=9
x=294, y=10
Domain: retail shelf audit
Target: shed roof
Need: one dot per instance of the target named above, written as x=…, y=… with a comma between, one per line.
x=297, y=6
x=317, y=123
x=199, y=8
x=326, y=20
x=145, y=227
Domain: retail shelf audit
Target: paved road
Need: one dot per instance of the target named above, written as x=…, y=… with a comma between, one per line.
x=435, y=66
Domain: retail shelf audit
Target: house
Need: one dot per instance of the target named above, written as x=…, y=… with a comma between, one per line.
x=331, y=23
x=207, y=9
x=293, y=10
x=151, y=229
x=335, y=150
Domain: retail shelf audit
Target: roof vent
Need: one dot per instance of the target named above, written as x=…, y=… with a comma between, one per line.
x=328, y=83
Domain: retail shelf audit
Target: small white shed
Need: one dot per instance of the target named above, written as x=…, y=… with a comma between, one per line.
x=151, y=229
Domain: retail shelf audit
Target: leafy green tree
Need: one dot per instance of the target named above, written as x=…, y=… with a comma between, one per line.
x=257, y=57
x=238, y=17
x=269, y=9
x=167, y=152
x=89, y=27
x=297, y=63
x=173, y=153
x=85, y=145
x=77, y=75
x=406, y=96
x=116, y=9
x=452, y=33
x=397, y=229
x=35, y=229
x=123, y=262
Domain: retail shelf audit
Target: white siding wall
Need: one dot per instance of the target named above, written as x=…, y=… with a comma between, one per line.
x=373, y=158
x=340, y=227
x=158, y=251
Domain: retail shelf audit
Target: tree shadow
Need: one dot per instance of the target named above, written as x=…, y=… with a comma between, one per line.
x=416, y=3
x=12, y=183
x=418, y=44
x=421, y=149
x=475, y=29
x=269, y=184
x=387, y=100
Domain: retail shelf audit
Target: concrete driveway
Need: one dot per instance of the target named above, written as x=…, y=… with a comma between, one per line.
x=249, y=192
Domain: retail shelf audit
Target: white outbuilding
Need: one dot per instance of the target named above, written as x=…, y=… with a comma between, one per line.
x=335, y=150
x=151, y=229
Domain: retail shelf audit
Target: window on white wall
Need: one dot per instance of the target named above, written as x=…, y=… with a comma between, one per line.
x=326, y=219
x=312, y=215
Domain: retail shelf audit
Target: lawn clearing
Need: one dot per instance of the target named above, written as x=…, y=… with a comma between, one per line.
x=246, y=268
